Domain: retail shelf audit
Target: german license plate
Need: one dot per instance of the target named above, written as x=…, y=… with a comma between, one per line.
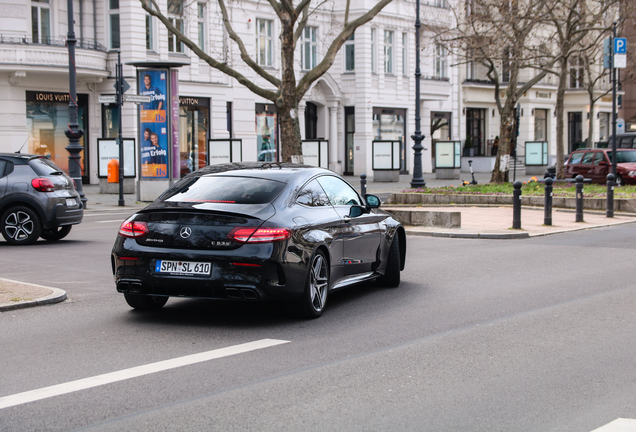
x=183, y=268
x=70, y=202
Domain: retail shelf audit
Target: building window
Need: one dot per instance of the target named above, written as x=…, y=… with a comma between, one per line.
x=113, y=18
x=505, y=65
x=576, y=73
x=405, y=39
x=440, y=3
x=388, y=51
x=264, y=42
x=150, y=32
x=470, y=65
x=575, y=131
x=309, y=48
x=350, y=130
x=476, y=130
x=47, y=118
x=350, y=54
x=201, y=24
x=175, y=16
x=603, y=126
x=440, y=61
x=266, y=132
x=373, y=50
x=540, y=125
x=194, y=116
x=40, y=21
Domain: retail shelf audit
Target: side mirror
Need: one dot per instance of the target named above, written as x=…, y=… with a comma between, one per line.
x=356, y=211
x=372, y=201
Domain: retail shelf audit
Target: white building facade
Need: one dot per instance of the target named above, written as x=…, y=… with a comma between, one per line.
x=367, y=95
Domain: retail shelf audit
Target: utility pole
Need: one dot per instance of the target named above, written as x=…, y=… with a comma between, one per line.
x=418, y=178
x=119, y=84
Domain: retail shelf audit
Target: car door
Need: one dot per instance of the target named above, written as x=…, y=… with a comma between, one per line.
x=599, y=170
x=361, y=233
x=574, y=164
x=3, y=178
x=585, y=169
x=318, y=222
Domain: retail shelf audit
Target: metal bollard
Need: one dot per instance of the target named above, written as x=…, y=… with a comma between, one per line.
x=579, y=198
x=547, y=217
x=363, y=184
x=516, y=205
x=610, y=195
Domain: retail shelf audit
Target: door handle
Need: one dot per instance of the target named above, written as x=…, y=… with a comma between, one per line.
x=346, y=219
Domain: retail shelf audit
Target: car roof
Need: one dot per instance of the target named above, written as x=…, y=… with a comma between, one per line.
x=19, y=158
x=278, y=171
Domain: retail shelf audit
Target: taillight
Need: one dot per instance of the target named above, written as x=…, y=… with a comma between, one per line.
x=133, y=229
x=42, y=185
x=259, y=235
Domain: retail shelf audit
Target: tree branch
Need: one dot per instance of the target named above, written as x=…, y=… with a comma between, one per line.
x=223, y=67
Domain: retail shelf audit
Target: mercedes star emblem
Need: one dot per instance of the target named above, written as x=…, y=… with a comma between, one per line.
x=185, y=232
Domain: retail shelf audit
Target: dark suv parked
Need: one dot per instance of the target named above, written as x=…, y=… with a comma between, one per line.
x=37, y=199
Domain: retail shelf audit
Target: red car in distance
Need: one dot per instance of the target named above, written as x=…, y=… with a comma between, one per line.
x=596, y=164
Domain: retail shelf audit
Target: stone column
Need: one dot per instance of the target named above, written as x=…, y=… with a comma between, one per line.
x=333, y=139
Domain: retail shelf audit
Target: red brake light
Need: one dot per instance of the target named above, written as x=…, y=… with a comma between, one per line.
x=259, y=235
x=42, y=185
x=132, y=229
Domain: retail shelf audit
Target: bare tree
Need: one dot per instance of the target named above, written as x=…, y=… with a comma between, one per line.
x=596, y=80
x=579, y=27
x=499, y=36
x=282, y=90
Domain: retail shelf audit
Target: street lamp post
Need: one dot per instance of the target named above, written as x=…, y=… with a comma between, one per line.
x=73, y=133
x=418, y=178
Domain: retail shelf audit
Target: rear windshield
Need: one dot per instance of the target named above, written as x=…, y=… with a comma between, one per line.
x=623, y=156
x=227, y=190
x=44, y=167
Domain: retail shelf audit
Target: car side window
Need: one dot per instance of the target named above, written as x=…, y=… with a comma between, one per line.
x=339, y=192
x=3, y=167
x=576, y=158
x=598, y=157
x=312, y=195
x=587, y=159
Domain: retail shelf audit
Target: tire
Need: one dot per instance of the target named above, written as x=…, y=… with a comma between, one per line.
x=619, y=180
x=57, y=233
x=314, y=298
x=145, y=302
x=20, y=226
x=391, y=276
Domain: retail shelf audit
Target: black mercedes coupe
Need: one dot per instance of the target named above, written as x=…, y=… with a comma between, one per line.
x=256, y=232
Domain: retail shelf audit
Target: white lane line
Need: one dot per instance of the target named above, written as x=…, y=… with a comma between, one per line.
x=113, y=220
x=106, y=214
x=618, y=425
x=99, y=380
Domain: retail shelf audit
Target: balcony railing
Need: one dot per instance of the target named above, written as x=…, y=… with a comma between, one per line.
x=61, y=42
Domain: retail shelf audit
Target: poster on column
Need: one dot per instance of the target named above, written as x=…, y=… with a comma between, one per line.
x=153, y=123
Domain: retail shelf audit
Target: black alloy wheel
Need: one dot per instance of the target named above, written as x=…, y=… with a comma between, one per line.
x=391, y=276
x=312, y=303
x=145, y=302
x=56, y=233
x=20, y=226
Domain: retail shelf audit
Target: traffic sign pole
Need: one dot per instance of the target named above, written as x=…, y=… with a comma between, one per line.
x=614, y=115
x=120, y=102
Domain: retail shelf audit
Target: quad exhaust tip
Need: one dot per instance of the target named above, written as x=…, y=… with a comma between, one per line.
x=241, y=294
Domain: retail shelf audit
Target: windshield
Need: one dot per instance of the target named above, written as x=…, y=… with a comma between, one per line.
x=623, y=156
x=227, y=190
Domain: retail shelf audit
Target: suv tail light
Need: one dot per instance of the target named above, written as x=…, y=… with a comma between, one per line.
x=133, y=229
x=43, y=185
x=259, y=235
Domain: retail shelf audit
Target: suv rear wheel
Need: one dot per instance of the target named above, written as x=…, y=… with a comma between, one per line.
x=20, y=226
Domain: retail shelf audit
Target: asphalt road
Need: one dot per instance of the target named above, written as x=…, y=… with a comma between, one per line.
x=482, y=335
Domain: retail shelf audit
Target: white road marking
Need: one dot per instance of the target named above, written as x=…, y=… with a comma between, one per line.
x=106, y=214
x=618, y=425
x=99, y=380
x=114, y=220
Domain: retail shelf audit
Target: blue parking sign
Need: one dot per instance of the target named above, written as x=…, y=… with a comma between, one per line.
x=620, y=46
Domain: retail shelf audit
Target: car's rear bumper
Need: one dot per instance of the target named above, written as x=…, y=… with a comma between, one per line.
x=63, y=215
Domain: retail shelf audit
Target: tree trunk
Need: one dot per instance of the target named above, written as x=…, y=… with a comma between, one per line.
x=560, y=96
x=590, y=133
x=289, y=133
x=500, y=172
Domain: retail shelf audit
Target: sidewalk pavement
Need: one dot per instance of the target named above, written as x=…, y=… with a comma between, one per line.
x=485, y=222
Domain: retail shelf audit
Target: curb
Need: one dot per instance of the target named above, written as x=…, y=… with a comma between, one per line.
x=507, y=236
x=56, y=296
